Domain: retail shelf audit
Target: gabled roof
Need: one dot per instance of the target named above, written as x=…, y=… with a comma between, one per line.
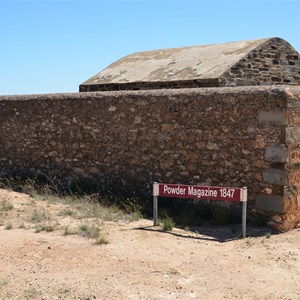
x=255, y=62
x=188, y=63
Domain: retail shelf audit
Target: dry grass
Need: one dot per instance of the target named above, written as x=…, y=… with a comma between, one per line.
x=38, y=216
x=5, y=205
x=46, y=211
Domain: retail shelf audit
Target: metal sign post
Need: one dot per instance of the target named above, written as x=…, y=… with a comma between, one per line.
x=201, y=192
x=155, y=195
x=244, y=210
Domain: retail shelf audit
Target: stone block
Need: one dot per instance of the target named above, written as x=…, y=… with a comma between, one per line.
x=294, y=153
x=274, y=176
x=270, y=203
x=272, y=118
x=292, y=135
x=276, y=153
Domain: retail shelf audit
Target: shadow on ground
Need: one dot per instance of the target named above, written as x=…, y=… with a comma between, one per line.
x=220, y=234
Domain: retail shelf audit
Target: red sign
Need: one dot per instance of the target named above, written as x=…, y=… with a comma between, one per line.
x=198, y=192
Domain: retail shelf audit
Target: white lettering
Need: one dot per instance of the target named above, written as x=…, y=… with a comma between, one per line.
x=165, y=189
x=199, y=192
x=174, y=190
x=227, y=193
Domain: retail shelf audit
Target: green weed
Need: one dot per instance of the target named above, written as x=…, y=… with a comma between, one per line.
x=167, y=224
x=268, y=234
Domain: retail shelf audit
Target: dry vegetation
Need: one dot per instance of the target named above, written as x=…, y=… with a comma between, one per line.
x=68, y=215
x=70, y=247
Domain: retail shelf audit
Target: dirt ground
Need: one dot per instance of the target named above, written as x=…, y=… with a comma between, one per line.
x=139, y=261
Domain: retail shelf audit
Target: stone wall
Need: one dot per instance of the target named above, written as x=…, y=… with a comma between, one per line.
x=220, y=136
x=275, y=62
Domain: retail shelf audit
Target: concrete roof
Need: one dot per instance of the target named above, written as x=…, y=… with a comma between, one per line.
x=188, y=63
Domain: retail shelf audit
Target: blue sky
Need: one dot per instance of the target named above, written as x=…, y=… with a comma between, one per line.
x=53, y=46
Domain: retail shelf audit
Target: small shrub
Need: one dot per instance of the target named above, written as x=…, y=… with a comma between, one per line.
x=82, y=228
x=3, y=282
x=88, y=231
x=5, y=205
x=38, y=228
x=167, y=224
x=31, y=293
x=69, y=231
x=39, y=216
x=47, y=228
x=136, y=215
x=31, y=188
x=94, y=232
x=268, y=234
x=8, y=226
x=248, y=242
x=101, y=240
x=66, y=212
x=69, y=199
x=22, y=225
x=64, y=291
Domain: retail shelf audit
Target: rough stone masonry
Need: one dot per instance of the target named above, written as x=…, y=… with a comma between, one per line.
x=239, y=136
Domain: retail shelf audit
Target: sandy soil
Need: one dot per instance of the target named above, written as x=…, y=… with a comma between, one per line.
x=140, y=261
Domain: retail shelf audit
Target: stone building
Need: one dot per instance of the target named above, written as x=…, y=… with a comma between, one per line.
x=247, y=63
x=220, y=134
